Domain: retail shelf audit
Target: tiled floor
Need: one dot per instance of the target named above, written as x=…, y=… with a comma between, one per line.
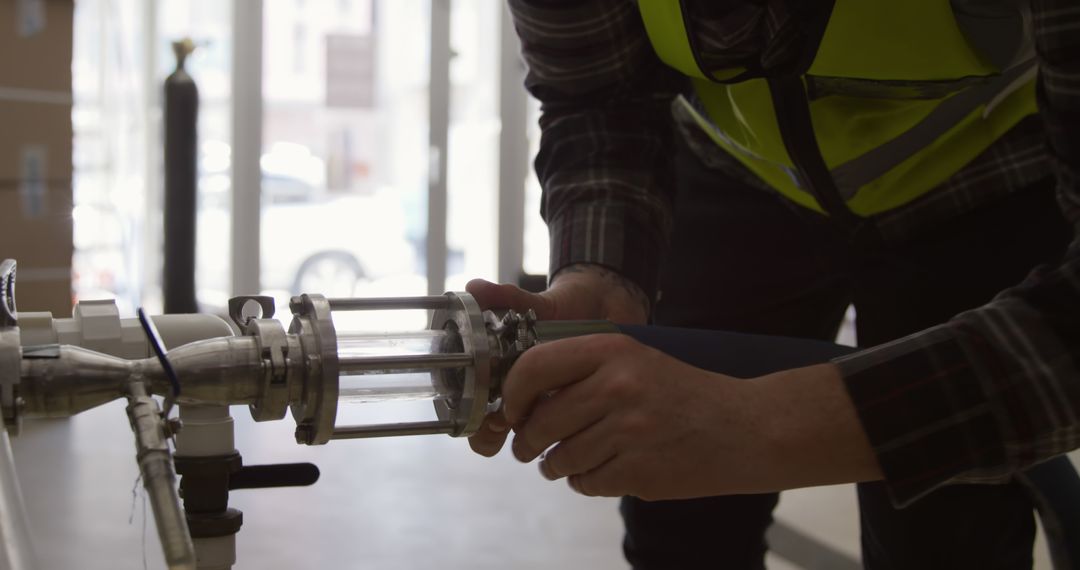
x=406, y=503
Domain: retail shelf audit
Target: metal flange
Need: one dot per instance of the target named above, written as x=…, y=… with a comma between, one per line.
x=274, y=350
x=466, y=413
x=316, y=408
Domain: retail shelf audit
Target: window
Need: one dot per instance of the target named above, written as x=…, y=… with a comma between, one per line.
x=345, y=156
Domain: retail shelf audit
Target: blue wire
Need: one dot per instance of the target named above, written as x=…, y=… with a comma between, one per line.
x=159, y=349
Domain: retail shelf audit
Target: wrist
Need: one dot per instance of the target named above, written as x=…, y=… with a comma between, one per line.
x=814, y=436
x=621, y=297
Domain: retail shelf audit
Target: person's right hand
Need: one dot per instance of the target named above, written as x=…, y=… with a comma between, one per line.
x=578, y=292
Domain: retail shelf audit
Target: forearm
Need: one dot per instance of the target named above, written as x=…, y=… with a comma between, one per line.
x=813, y=435
x=605, y=120
x=608, y=188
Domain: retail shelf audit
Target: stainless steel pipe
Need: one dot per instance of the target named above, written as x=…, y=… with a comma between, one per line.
x=159, y=479
x=392, y=430
x=431, y=303
x=402, y=362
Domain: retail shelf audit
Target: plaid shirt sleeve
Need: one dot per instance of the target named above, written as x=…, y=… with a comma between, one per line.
x=996, y=389
x=603, y=160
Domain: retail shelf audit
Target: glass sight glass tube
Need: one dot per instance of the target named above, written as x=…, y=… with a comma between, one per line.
x=399, y=369
x=413, y=365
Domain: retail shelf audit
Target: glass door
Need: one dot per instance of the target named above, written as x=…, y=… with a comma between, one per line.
x=344, y=154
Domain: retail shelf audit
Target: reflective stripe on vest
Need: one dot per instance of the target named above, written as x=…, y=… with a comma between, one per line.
x=901, y=101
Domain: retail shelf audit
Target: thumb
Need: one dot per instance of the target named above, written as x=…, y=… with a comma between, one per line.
x=506, y=296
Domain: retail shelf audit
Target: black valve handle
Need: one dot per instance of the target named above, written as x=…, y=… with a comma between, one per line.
x=276, y=475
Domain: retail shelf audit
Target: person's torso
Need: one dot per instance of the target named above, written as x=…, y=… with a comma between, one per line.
x=901, y=94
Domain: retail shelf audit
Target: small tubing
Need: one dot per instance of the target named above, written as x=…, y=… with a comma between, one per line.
x=392, y=430
x=432, y=303
x=407, y=362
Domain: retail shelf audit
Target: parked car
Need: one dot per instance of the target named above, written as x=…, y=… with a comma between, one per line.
x=326, y=246
x=312, y=240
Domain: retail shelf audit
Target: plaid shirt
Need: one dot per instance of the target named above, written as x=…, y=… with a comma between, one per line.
x=974, y=399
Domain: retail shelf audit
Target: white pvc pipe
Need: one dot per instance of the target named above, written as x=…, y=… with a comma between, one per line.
x=98, y=327
x=178, y=330
x=208, y=432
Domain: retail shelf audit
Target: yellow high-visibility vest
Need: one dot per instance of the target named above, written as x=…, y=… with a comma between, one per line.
x=903, y=94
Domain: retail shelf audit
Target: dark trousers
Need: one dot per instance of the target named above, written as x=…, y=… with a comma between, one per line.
x=745, y=260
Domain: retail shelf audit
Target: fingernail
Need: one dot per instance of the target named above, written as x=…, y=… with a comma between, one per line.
x=497, y=425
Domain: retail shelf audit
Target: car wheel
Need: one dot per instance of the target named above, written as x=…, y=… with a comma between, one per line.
x=331, y=274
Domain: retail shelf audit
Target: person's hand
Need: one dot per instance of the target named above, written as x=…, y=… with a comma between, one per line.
x=577, y=292
x=626, y=419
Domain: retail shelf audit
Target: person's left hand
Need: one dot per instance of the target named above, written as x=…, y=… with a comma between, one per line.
x=630, y=420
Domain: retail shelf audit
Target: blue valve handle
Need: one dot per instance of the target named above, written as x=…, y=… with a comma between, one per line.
x=735, y=354
x=158, y=346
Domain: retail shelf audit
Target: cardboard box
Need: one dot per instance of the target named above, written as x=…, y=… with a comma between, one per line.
x=36, y=141
x=35, y=295
x=42, y=239
x=36, y=202
x=36, y=150
x=43, y=249
x=35, y=45
x=42, y=245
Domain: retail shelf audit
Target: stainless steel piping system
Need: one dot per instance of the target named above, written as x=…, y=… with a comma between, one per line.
x=458, y=363
x=273, y=371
